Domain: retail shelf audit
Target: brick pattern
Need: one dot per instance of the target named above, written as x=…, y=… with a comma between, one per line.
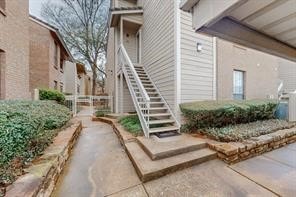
x=43, y=71
x=234, y=152
x=14, y=36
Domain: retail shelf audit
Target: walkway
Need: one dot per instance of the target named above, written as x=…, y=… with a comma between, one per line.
x=100, y=167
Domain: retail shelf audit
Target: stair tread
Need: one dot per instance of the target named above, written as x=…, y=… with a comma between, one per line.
x=148, y=169
x=161, y=121
x=154, y=108
x=156, y=102
x=159, y=148
x=163, y=129
x=159, y=114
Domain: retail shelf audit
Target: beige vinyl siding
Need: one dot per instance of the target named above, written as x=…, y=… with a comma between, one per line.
x=287, y=73
x=197, y=72
x=128, y=105
x=158, y=46
x=130, y=44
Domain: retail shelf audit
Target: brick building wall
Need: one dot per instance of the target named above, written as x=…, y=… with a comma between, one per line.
x=14, y=50
x=45, y=71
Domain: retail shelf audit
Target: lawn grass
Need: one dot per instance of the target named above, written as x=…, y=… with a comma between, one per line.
x=241, y=132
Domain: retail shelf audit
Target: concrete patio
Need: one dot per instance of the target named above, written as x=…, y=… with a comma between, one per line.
x=99, y=166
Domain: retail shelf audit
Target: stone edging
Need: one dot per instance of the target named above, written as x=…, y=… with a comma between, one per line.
x=42, y=175
x=122, y=134
x=234, y=152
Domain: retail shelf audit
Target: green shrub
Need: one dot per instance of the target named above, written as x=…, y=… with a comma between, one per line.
x=131, y=123
x=49, y=94
x=102, y=112
x=208, y=114
x=26, y=129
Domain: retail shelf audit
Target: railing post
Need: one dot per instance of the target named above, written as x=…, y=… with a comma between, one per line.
x=36, y=94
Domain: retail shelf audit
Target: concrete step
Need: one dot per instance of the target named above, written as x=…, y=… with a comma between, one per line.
x=148, y=169
x=163, y=129
x=160, y=148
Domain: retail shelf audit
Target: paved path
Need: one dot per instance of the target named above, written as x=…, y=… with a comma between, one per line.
x=100, y=167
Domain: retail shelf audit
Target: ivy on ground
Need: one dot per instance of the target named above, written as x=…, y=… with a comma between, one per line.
x=26, y=129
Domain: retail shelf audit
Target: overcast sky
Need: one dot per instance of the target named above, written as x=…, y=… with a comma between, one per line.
x=35, y=6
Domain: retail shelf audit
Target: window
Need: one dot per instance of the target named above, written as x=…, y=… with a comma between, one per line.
x=55, y=85
x=2, y=4
x=238, y=85
x=55, y=55
x=61, y=65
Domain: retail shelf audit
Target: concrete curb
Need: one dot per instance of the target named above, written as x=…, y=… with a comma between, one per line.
x=42, y=175
x=122, y=134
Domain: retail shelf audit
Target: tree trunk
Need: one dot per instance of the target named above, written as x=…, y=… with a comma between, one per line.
x=94, y=82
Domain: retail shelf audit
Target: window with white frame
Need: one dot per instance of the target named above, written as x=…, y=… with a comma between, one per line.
x=238, y=85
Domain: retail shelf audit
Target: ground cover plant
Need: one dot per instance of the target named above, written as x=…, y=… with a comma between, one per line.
x=132, y=124
x=210, y=114
x=241, y=132
x=26, y=129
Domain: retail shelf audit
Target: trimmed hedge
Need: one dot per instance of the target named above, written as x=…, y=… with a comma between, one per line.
x=26, y=129
x=208, y=114
x=49, y=94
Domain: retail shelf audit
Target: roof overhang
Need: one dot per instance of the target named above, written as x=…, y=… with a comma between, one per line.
x=55, y=33
x=117, y=13
x=188, y=5
x=267, y=25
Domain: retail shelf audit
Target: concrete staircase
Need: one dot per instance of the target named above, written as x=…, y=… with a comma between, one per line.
x=156, y=157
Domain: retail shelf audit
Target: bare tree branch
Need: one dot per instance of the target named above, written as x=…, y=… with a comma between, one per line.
x=84, y=26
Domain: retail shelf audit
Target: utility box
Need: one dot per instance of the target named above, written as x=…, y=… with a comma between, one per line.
x=282, y=110
x=292, y=107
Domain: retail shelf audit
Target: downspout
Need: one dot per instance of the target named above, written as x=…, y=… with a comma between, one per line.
x=177, y=54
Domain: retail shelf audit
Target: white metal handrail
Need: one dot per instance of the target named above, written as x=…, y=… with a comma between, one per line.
x=165, y=102
x=134, y=72
x=141, y=99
